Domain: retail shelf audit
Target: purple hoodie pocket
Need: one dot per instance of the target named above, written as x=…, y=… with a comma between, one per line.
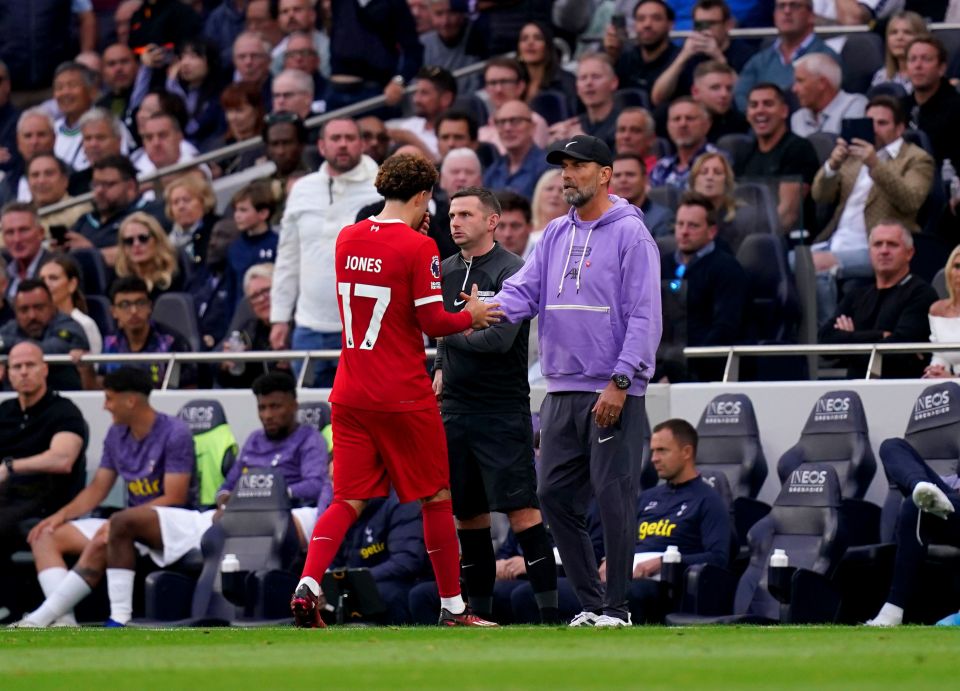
x=577, y=339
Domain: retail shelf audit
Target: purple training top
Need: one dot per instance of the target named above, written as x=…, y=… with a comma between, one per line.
x=167, y=448
x=301, y=458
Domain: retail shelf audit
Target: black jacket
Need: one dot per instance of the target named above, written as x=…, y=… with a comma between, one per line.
x=485, y=372
x=387, y=538
x=901, y=310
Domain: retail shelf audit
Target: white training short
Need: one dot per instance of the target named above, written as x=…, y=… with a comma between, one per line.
x=182, y=529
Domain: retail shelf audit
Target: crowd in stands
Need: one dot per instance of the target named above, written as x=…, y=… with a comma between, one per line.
x=727, y=145
x=775, y=134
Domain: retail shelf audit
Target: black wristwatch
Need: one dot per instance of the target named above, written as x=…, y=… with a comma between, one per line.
x=8, y=461
x=622, y=381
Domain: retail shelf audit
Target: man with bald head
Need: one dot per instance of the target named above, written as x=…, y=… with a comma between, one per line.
x=460, y=168
x=524, y=162
x=293, y=93
x=35, y=135
x=42, y=436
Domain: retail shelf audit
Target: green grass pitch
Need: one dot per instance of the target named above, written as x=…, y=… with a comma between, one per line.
x=510, y=658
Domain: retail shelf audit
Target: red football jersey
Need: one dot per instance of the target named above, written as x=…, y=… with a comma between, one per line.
x=386, y=273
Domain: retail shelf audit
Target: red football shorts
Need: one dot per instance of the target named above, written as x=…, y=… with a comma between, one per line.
x=374, y=450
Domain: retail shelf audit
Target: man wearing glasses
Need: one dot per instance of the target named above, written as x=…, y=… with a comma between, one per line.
x=704, y=290
x=794, y=20
x=116, y=195
x=138, y=333
x=524, y=162
x=504, y=80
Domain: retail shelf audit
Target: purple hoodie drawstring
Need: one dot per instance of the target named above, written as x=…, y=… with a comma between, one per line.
x=583, y=255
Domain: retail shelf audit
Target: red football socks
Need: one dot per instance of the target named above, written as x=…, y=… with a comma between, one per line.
x=440, y=538
x=328, y=533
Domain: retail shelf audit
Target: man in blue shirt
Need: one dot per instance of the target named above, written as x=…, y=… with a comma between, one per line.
x=794, y=20
x=683, y=511
x=524, y=162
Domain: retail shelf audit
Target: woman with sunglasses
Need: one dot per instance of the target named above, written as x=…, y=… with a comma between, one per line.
x=146, y=252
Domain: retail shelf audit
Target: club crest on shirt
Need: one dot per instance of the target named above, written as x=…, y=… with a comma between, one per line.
x=683, y=508
x=275, y=461
x=435, y=266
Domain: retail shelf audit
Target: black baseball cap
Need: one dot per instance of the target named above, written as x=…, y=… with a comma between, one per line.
x=583, y=147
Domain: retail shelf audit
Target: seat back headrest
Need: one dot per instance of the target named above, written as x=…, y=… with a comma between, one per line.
x=836, y=412
x=259, y=489
x=728, y=415
x=812, y=485
x=717, y=479
x=937, y=406
x=315, y=414
x=202, y=415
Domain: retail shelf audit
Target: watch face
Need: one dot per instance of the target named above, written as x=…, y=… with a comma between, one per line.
x=622, y=381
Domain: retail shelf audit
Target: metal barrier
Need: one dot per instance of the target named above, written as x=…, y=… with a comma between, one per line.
x=876, y=351
x=174, y=360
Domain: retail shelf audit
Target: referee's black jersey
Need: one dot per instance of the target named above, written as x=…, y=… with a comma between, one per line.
x=485, y=372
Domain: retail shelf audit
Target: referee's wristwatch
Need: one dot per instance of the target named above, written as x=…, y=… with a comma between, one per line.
x=622, y=381
x=8, y=461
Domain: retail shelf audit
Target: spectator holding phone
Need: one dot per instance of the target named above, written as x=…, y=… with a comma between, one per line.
x=869, y=182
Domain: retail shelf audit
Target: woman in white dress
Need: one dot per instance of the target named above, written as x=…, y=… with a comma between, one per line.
x=945, y=323
x=62, y=276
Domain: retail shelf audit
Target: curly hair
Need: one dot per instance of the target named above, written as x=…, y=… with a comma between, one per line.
x=162, y=267
x=403, y=175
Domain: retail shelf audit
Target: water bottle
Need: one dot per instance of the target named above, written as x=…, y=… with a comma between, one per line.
x=950, y=178
x=671, y=570
x=237, y=343
x=779, y=559
x=230, y=564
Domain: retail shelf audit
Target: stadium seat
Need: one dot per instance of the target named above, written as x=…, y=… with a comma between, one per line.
x=823, y=143
x=317, y=414
x=887, y=89
x=257, y=527
x=667, y=195
x=758, y=198
x=951, y=41
x=631, y=97
x=214, y=445
x=551, y=105
x=805, y=522
x=930, y=253
x=474, y=105
x=730, y=445
x=177, y=311
x=939, y=283
x=98, y=309
x=735, y=144
x=861, y=57
x=94, y=273
x=662, y=147
x=929, y=213
x=836, y=434
x=771, y=295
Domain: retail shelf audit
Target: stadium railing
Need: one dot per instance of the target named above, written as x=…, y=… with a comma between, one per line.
x=172, y=361
x=376, y=101
x=875, y=351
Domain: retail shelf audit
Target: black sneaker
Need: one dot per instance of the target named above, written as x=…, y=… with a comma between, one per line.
x=306, y=608
x=465, y=618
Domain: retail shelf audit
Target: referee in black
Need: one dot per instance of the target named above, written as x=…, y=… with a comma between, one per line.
x=481, y=380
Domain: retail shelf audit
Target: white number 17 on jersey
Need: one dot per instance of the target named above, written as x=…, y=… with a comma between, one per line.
x=363, y=290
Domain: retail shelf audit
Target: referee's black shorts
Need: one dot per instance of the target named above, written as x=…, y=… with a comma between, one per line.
x=491, y=463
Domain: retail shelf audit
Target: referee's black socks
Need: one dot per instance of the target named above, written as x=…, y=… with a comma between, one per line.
x=478, y=567
x=541, y=571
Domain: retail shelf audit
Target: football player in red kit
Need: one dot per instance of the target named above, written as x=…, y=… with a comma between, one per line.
x=386, y=425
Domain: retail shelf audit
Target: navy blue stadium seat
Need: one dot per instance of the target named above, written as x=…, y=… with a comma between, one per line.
x=667, y=195
x=771, y=296
x=806, y=522
x=823, y=143
x=735, y=144
x=98, y=309
x=631, y=97
x=939, y=283
x=474, y=105
x=94, y=273
x=759, y=199
x=551, y=105
x=861, y=57
x=177, y=311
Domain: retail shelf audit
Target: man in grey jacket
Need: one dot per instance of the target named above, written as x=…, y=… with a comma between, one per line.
x=594, y=281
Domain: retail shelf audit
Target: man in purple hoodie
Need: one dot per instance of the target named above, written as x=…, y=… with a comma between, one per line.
x=594, y=281
x=298, y=452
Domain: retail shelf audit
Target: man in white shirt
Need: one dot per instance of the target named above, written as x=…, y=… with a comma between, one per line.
x=816, y=83
x=887, y=180
x=74, y=89
x=434, y=92
x=304, y=279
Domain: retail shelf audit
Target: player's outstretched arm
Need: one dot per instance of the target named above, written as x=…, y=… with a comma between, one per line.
x=484, y=313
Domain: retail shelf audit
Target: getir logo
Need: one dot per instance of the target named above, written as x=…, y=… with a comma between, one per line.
x=832, y=409
x=144, y=487
x=661, y=528
x=376, y=548
x=932, y=405
x=807, y=481
x=723, y=412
